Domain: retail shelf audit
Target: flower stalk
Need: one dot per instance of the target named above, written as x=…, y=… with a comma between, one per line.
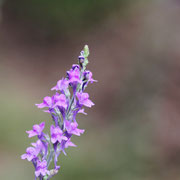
x=63, y=108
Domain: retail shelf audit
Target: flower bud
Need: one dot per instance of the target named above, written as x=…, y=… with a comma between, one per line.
x=86, y=51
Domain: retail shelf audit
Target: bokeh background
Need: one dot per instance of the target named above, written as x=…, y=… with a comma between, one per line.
x=133, y=132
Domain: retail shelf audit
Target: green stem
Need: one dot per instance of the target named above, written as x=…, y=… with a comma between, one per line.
x=50, y=158
x=69, y=108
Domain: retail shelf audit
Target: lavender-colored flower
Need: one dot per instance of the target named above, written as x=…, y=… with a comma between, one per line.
x=66, y=144
x=75, y=66
x=47, y=102
x=74, y=76
x=57, y=134
x=62, y=85
x=41, y=168
x=60, y=100
x=71, y=128
x=83, y=99
x=39, y=146
x=81, y=55
x=82, y=111
x=37, y=130
x=88, y=76
x=81, y=58
x=31, y=153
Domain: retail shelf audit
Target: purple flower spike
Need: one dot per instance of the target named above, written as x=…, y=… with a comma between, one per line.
x=84, y=99
x=60, y=100
x=47, y=102
x=57, y=134
x=37, y=130
x=63, y=107
x=71, y=128
x=31, y=153
x=62, y=85
x=41, y=168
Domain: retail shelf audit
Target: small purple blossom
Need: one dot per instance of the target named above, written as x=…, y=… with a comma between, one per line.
x=37, y=130
x=71, y=128
x=74, y=76
x=83, y=99
x=56, y=100
x=31, y=153
x=57, y=134
x=60, y=100
x=69, y=144
x=47, y=102
x=81, y=59
x=82, y=111
x=39, y=146
x=75, y=66
x=62, y=85
x=81, y=55
x=88, y=76
x=41, y=168
x=66, y=144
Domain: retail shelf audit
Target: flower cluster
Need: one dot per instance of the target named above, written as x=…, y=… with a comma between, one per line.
x=63, y=107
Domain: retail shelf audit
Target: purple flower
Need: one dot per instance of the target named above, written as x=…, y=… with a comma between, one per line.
x=47, y=111
x=39, y=146
x=62, y=85
x=84, y=99
x=57, y=134
x=47, y=102
x=56, y=100
x=66, y=144
x=74, y=76
x=75, y=66
x=88, y=76
x=60, y=100
x=31, y=153
x=71, y=128
x=82, y=111
x=37, y=130
x=81, y=57
x=41, y=168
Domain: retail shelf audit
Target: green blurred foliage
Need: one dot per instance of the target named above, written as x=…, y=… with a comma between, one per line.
x=64, y=17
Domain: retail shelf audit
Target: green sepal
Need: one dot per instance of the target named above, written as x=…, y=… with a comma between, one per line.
x=45, y=177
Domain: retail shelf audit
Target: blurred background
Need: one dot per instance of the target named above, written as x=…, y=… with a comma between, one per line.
x=133, y=132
